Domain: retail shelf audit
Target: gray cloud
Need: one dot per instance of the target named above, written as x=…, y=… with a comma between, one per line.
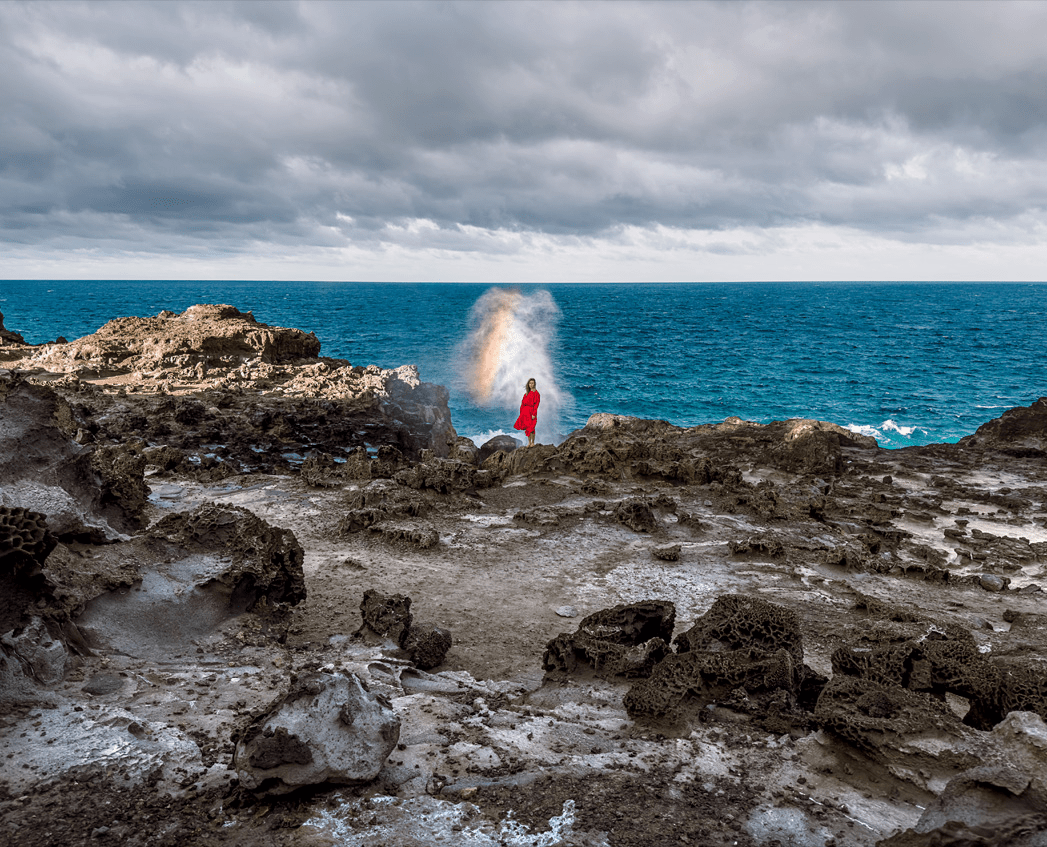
x=167, y=125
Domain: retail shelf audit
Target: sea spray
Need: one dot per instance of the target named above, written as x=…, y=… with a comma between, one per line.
x=510, y=340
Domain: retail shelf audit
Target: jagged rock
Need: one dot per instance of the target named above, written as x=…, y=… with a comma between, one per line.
x=192, y=572
x=901, y=728
x=443, y=475
x=202, y=334
x=741, y=622
x=667, y=552
x=635, y=514
x=24, y=538
x=626, y=640
x=1019, y=432
x=706, y=677
x=424, y=537
x=388, y=615
x=328, y=729
x=922, y=656
x=379, y=501
x=7, y=336
x=427, y=644
x=43, y=469
x=266, y=561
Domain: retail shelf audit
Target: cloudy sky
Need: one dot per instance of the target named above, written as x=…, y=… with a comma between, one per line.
x=517, y=141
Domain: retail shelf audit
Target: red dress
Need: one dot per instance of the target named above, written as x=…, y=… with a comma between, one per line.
x=528, y=412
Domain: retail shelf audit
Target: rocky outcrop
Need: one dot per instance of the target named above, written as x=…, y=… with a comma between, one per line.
x=7, y=337
x=190, y=381
x=1018, y=432
x=84, y=491
x=202, y=335
x=390, y=617
x=327, y=729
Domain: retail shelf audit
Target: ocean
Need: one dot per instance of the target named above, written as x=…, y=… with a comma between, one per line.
x=908, y=363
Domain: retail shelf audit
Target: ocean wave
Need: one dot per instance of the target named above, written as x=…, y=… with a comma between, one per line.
x=887, y=434
x=482, y=438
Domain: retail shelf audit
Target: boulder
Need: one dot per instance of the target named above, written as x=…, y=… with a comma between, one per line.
x=626, y=640
x=500, y=443
x=328, y=729
x=7, y=336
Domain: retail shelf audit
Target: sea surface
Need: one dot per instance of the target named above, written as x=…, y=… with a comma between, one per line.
x=909, y=363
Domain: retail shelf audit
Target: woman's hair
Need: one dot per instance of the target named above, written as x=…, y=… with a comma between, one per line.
x=527, y=387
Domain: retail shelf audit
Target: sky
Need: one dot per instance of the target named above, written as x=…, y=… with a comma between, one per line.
x=523, y=142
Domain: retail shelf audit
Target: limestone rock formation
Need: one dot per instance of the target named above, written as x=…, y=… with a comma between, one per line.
x=327, y=729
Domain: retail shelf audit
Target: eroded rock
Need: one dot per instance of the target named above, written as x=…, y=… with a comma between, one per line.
x=327, y=729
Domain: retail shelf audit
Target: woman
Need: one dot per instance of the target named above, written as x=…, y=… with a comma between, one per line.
x=528, y=419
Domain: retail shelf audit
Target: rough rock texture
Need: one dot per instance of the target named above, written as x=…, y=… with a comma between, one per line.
x=82, y=490
x=1018, y=432
x=390, y=616
x=500, y=443
x=266, y=561
x=191, y=381
x=387, y=615
x=427, y=644
x=739, y=622
x=205, y=335
x=627, y=640
x=328, y=729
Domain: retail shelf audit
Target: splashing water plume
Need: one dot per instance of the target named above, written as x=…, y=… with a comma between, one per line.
x=509, y=342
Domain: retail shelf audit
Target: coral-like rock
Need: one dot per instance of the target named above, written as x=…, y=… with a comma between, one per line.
x=626, y=640
x=741, y=622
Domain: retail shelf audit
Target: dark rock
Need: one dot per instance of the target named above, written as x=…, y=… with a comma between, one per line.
x=706, y=677
x=266, y=560
x=875, y=716
x=626, y=640
x=741, y=622
x=667, y=552
x=387, y=615
x=1021, y=432
x=504, y=443
x=43, y=469
x=427, y=644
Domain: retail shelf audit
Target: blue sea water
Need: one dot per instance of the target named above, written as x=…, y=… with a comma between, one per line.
x=910, y=363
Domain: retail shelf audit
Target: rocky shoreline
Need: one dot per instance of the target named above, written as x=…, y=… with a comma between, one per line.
x=250, y=592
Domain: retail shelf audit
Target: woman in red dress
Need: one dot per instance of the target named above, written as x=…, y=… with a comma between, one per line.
x=528, y=419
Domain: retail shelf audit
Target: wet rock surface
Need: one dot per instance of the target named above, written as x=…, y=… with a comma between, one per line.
x=784, y=633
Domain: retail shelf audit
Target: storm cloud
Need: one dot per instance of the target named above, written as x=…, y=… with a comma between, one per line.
x=381, y=140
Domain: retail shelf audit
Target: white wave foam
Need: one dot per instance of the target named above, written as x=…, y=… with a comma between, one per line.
x=482, y=438
x=890, y=426
x=888, y=430
x=864, y=429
